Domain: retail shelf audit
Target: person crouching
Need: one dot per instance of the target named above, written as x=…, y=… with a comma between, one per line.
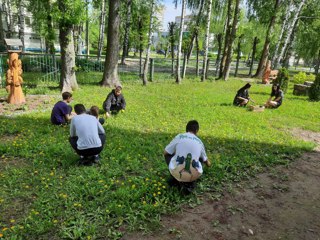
x=87, y=136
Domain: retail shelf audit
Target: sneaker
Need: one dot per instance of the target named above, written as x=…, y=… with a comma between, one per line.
x=96, y=159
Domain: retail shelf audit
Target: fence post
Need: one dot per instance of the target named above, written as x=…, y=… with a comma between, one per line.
x=151, y=69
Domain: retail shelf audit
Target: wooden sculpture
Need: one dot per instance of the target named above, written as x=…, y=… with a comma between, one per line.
x=14, y=80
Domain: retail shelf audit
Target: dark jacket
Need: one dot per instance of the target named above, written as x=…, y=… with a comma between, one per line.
x=114, y=102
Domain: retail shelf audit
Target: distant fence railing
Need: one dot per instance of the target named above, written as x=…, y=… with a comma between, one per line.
x=49, y=66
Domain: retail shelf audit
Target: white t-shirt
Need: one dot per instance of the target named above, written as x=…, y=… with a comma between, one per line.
x=187, y=149
x=87, y=128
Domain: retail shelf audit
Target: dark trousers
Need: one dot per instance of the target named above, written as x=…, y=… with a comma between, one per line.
x=89, y=151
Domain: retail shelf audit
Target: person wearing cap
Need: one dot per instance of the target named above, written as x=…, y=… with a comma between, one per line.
x=242, y=97
x=114, y=102
x=184, y=156
x=277, y=95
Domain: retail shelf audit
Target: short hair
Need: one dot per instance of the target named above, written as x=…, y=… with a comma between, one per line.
x=66, y=95
x=192, y=126
x=94, y=111
x=118, y=87
x=79, y=108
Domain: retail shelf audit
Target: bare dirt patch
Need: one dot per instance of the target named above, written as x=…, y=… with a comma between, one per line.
x=33, y=103
x=282, y=203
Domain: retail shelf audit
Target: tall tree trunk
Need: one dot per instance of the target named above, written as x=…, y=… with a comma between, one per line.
x=2, y=32
x=283, y=29
x=178, y=70
x=219, y=38
x=87, y=28
x=238, y=55
x=140, y=45
x=254, y=49
x=21, y=24
x=290, y=31
x=171, y=28
x=289, y=50
x=110, y=74
x=196, y=29
x=228, y=28
x=265, y=51
x=125, y=48
x=102, y=27
x=197, y=55
x=146, y=61
x=206, y=43
x=226, y=70
x=68, y=81
x=8, y=18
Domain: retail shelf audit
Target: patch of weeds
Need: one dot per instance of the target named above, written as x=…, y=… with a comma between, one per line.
x=280, y=188
x=234, y=209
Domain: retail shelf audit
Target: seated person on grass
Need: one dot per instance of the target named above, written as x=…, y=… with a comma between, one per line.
x=87, y=136
x=184, y=156
x=277, y=95
x=114, y=102
x=61, y=112
x=242, y=96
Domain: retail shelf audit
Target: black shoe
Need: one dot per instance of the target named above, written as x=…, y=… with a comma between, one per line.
x=85, y=161
x=172, y=182
x=96, y=159
x=187, y=187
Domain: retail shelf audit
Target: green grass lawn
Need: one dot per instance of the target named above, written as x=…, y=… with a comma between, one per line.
x=45, y=195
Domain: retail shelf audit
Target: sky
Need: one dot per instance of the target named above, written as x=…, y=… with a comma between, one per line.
x=171, y=12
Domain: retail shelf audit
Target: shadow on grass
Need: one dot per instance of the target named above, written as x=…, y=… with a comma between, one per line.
x=230, y=157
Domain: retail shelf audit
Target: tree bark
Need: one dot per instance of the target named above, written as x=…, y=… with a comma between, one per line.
x=68, y=81
x=290, y=31
x=226, y=39
x=21, y=24
x=206, y=43
x=171, y=26
x=238, y=55
x=102, y=27
x=283, y=28
x=265, y=51
x=178, y=70
x=146, y=61
x=231, y=40
x=219, y=38
x=110, y=74
x=87, y=28
x=125, y=48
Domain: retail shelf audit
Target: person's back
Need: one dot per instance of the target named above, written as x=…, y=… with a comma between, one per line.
x=86, y=128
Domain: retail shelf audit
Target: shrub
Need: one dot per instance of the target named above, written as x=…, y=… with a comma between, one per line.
x=300, y=78
x=283, y=79
x=314, y=91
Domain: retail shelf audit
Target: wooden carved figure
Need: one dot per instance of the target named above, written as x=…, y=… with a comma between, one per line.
x=266, y=74
x=14, y=80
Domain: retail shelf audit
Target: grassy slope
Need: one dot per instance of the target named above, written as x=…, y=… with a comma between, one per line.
x=45, y=194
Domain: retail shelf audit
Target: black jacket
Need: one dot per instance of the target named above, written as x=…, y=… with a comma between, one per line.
x=114, y=101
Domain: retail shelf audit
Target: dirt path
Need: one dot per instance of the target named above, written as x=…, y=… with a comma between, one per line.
x=283, y=203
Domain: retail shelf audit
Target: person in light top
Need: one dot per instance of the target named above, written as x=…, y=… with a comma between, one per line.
x=185, y=155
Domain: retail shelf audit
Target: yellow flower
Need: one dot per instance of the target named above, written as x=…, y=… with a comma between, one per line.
x=12, y=220
x=1, y=235
x=55, y=221
x=4, y=229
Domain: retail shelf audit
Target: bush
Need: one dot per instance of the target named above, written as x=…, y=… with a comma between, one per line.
x=283, y=79
x=301, y=77
x=314, y=92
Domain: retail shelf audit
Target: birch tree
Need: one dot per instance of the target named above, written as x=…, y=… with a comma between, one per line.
x=146, y=61
x=178, y=69
x=125, y=47
x=102, y=26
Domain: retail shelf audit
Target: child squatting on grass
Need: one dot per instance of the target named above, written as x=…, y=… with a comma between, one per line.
x=114, y=102
x=87, y=136
x=242, y=97
x=184, y=156
x=62, y=112
x=277, y=95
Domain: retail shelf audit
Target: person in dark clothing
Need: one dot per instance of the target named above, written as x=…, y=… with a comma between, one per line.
x=277, y=95
x=242, y=96
x=61, y=112
x=114, y=102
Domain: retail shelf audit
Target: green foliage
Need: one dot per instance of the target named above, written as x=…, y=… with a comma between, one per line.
x=301, y=77
x=283, y=79
x=45, y=195
x=314, y=91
